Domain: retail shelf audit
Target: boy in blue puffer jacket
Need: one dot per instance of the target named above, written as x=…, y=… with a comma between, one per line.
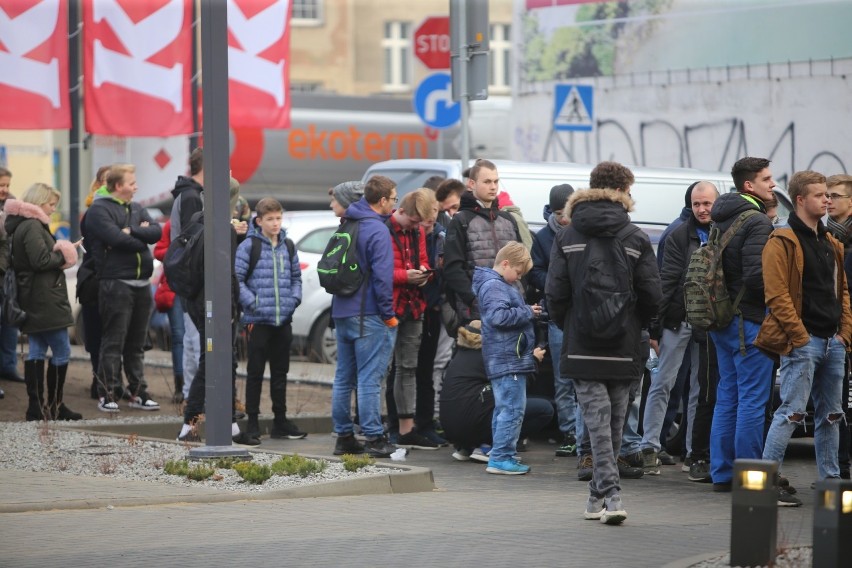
x=269, y=296
x=508, y=347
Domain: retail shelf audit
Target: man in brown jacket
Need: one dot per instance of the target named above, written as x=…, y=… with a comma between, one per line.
x=809, y=325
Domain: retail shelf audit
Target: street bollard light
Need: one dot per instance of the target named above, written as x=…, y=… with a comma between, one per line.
x=754, y=513
x=833, y=523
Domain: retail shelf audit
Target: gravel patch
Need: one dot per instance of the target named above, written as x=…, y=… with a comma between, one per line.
x=795, y=557
x=30, y=446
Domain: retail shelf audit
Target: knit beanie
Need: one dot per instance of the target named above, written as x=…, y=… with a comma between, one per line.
x=559, y=196
x=348, y=192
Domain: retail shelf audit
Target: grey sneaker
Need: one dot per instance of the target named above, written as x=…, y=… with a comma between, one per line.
x=614, y=513
x=650, y=461
x=585, y=468
x=594, y=508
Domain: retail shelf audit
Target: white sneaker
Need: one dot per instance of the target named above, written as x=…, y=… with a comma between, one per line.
x=107, y=406
x=461, y=455
x=143, y=403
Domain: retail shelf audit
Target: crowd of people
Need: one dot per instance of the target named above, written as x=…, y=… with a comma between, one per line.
x=458, y=307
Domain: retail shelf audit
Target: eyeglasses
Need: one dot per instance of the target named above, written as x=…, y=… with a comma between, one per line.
x=394, y=198
x=834, y=196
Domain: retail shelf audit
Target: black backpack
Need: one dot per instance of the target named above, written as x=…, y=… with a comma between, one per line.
x=184, y=261
x=604, y=299
x=340, y=271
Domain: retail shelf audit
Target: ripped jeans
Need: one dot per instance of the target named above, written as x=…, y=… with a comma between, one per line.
x=815, y=370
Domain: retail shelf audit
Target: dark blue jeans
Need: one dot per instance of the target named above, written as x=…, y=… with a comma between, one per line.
x=8, y=345
x=125, y=311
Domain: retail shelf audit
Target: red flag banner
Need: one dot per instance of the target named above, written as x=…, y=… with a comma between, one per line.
x=34, y=63
x=137, y=62
x=259, y=63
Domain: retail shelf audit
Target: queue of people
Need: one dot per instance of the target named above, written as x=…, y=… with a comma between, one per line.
x=458, y=307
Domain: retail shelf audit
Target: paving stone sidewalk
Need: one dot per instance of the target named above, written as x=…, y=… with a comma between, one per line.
x=470, y=518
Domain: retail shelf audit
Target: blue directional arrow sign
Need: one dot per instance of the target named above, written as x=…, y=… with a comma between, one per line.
x=433, y=101
x=573, y=107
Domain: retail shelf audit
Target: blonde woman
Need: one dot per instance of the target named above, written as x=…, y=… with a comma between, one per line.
x=39, y=260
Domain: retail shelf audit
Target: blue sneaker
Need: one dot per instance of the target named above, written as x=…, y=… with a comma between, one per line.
x=434, y=437
x=507, y=467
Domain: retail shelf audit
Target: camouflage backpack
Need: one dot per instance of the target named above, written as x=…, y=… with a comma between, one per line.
x=705, y=291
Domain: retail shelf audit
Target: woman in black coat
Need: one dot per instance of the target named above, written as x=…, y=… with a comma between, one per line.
x=39, y=260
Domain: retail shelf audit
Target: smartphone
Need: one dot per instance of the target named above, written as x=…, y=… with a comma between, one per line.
x=428, y=271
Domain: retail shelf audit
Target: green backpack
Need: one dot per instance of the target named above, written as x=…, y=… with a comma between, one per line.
x=705, y=291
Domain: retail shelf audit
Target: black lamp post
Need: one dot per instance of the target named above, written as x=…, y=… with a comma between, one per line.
x=754, y=513
x=833, y=523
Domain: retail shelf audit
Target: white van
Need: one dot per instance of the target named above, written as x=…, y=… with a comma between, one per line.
x=658, y=192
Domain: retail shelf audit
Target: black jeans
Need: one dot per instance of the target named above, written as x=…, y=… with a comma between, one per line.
x=708, y=379
x=92, y=332
x=424, y=414
x=125, y=311
x=198, y=388
x=268, y=343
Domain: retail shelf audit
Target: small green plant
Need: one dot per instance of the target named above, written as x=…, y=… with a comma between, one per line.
x=352, y=462
x=298, y=465
x=200, y=472
x=176, y=467
x=252, y=472
x=225, y=463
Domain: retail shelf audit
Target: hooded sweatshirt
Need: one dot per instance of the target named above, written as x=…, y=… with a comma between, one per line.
x=188, y=201
x=376, y=255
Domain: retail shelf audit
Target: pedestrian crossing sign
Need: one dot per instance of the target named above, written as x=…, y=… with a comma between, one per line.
x=573, y=107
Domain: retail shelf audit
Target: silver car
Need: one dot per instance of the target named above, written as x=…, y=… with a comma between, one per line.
x=311, y=230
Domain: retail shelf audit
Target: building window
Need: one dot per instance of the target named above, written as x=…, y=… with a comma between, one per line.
x=501, y=55
x=306, y=12
x=397, y=47
x=301, y=87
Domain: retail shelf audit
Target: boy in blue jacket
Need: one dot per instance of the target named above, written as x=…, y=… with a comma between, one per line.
x=508, y=347
x=269, y=294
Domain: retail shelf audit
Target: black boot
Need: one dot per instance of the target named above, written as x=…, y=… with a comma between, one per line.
x=177, y=397
x=58, y=410
x=34, y=379
x=253, y=427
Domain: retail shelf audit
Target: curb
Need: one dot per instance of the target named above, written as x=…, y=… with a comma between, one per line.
x=411, y=479
x=692, y=560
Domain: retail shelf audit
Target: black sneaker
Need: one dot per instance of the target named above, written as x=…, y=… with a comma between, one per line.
x=585, y=468
x=568, y=447
x=380, y=447
x=245, y=439
x=687, y=463
x=784, y=483
x=627, y=471
x=666, y=458
x=347, y=445
x=787, y=499
x=286, y=429
x=414, y=440
x=699, y=472
x=433, y=436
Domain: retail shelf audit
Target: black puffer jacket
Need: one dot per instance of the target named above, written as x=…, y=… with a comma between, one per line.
x=595, y=212
x=119, y=255
x=742, y=259
x=680, y=245
x=39, y=261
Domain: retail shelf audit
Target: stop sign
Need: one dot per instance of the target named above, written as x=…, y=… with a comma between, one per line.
x=432, y=42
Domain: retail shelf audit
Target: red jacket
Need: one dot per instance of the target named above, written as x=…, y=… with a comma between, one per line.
x=164, y=298
x=407, y=299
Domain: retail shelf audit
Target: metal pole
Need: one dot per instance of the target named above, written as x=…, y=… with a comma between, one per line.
x=217, y=341
x=464, y=57
x=74, y=133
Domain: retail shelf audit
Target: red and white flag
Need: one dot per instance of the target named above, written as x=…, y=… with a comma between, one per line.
x=137, y=67
x=259, y=63
x=34, y=64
